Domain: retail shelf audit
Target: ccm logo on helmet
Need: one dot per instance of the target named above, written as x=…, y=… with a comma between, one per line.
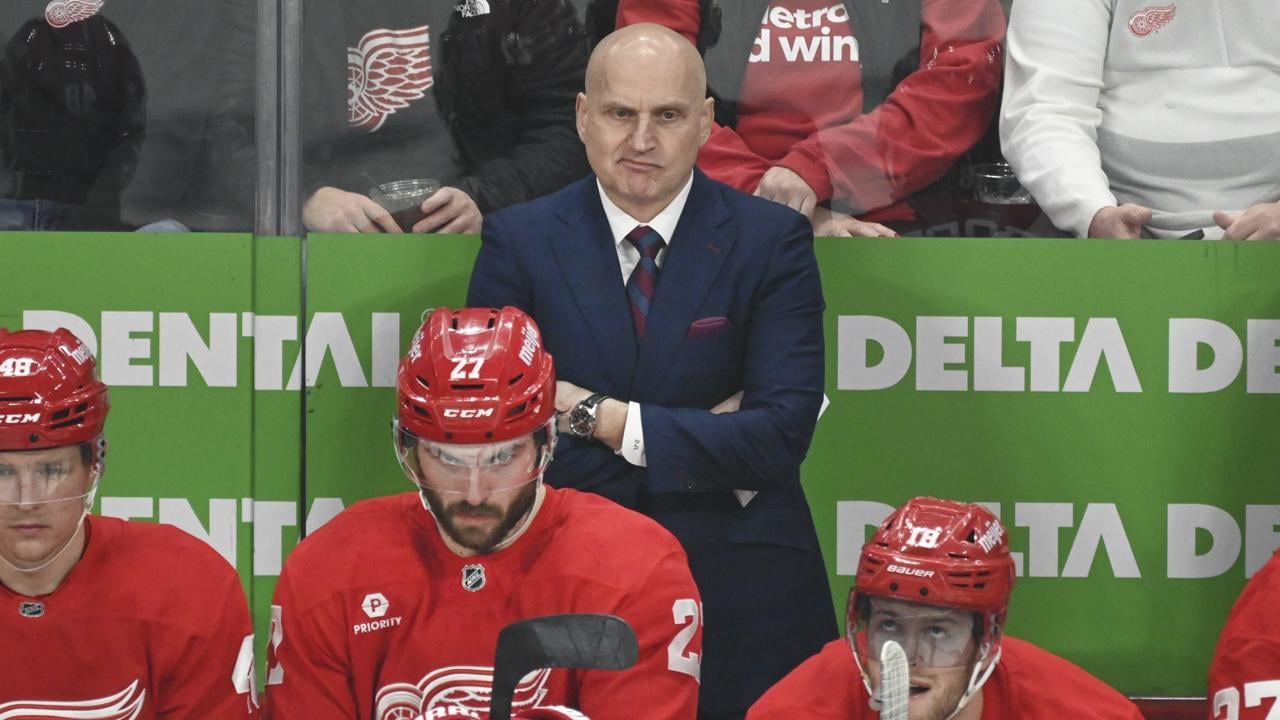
x=913, y=572
x=468, y=413
x=19, y=419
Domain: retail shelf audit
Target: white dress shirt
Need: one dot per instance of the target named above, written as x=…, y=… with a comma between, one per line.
x=621, y=224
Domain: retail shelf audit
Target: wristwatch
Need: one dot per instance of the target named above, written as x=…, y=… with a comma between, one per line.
x=582, y=418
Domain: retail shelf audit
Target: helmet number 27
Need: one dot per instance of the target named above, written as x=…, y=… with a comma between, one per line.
x=460, y=368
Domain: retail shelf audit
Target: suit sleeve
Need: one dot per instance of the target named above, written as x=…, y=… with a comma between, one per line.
x=665, y=611
x=1050, y=116
x=931, y=118
x=762, y=444
x=496, y=278
x=307, y=677
x=211, y=674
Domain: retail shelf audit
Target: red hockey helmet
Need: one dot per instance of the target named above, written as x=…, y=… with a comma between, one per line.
x=475, y=375
x=50, y=394
x=942, y=553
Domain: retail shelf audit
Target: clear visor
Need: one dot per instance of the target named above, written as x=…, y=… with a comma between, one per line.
x=932, y=637
x=39, y=477
x=475, y=470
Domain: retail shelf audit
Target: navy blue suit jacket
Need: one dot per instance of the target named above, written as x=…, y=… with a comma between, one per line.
x=738, y=306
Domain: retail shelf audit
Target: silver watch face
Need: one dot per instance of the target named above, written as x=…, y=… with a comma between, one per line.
x=582, y=419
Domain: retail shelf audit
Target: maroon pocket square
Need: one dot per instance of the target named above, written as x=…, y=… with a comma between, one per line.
x=703, y=327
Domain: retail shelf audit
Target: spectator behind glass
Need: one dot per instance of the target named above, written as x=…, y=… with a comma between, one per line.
x=838, y=108
x=1128, y=118
x=72, y=119
x=477, y=94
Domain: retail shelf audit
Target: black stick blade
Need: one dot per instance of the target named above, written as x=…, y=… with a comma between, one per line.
x=587, y=641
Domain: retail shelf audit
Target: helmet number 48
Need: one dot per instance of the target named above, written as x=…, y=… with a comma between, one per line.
x=18, y=367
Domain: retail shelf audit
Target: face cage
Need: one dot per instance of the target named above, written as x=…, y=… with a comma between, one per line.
x=474, y=461
x=984, y=665
x=97, y=464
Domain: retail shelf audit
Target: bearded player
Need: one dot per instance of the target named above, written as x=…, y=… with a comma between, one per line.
x=936, y=578
x=1244, y=677
x=100, y=617
x=393, y=608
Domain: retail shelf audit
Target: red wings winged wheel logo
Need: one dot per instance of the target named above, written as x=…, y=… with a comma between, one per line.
x=388, y=70
x=1150, y=19
x=61, y=13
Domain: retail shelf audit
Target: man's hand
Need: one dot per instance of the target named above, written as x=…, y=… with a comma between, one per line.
x=449, y=211
x=611, y=415
x=832, y=223
x=785, y=186
x=568, y=395
x=331, y=210
x=728, y=405
x=1125, y=221
x=1260, y=222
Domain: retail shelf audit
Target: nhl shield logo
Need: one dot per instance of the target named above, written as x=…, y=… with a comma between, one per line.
x=31, y=609
x=473, y=577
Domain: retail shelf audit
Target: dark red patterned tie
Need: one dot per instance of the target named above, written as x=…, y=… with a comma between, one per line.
x=644, y=279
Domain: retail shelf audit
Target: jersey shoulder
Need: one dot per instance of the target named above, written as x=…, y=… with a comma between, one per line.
x=1253, y=614
x=1034, y=682
x=158, y=571
x=371, y=540
x=597, y=528
x=827, y=686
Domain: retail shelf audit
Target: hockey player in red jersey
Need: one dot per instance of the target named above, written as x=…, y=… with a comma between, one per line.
x=1244, y=677
x=936, y=579
x=393, y=608
x=99, y=617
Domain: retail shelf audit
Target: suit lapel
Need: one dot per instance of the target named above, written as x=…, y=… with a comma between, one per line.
x=698, y=250
x=586, y=255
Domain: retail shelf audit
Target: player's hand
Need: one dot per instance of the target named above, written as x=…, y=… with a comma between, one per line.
x=568, y=395
x=729, y=404
x=785, y=186
x=1260, y=222
x=832, y=223
x=1125, y=221
x=449, y=211
x=331, y=210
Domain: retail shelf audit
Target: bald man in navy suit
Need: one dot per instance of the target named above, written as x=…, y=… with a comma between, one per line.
x=686, y=322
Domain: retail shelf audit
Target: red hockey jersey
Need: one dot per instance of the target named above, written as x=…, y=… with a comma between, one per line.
x=150, y=623
x=1028, y=683
x=376, y=619
x=1244, y=677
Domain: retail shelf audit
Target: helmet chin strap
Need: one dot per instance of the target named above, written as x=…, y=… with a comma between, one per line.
x=977, y=679
x=29, y=571
x=84, y=512
x=515, y=533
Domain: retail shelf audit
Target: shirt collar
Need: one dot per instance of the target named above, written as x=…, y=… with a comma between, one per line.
x=664, y=223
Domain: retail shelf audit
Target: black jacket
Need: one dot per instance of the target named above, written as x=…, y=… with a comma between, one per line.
x=504, y=87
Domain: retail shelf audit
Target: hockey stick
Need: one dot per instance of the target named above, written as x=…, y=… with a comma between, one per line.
x=894, y=692
x=589, y=641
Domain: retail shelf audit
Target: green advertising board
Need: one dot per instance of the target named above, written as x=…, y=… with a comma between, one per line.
x=1114, y=402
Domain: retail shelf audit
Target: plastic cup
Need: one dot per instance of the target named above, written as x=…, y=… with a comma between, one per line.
x=403, y=199
x=995, y=184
